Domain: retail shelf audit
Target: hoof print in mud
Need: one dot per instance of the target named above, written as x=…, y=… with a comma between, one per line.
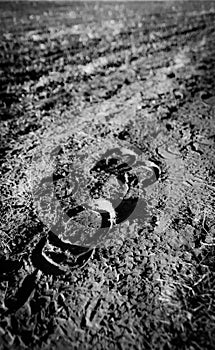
x=72, y=248
x=41, y=261
x=111, y=164
x=51, y=262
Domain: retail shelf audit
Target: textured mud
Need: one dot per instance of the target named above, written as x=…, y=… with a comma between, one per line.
x=82, y=82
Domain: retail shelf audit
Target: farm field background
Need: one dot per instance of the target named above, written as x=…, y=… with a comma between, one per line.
x=78, y=80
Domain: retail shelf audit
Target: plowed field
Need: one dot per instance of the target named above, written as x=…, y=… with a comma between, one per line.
x=107, y=175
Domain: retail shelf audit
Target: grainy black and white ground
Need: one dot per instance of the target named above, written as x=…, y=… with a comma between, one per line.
x=90, y=77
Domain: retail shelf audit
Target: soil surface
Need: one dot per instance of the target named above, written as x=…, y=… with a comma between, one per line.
x=107, y=175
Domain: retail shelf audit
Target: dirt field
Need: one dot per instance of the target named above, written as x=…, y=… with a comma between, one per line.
x=107, y=175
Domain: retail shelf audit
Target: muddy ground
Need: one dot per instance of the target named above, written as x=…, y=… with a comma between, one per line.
x=83, y=84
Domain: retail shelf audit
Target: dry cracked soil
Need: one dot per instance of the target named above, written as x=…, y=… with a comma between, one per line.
x=107, y=175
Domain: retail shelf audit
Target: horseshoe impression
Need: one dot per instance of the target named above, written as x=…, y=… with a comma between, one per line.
x=94, y=218
x=111, y=213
